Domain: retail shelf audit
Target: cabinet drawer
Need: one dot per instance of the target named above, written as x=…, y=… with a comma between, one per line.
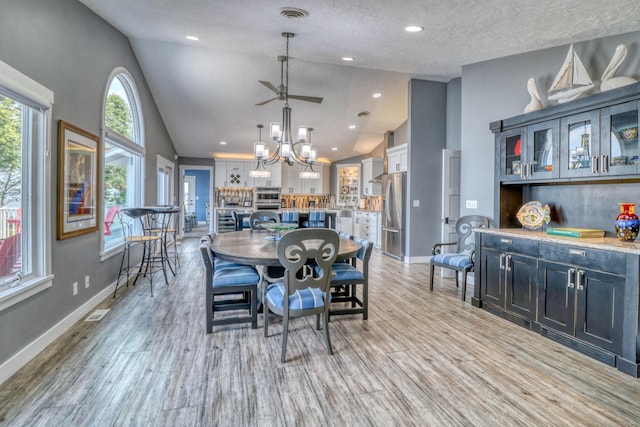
x=595, y=259
x=511, y=244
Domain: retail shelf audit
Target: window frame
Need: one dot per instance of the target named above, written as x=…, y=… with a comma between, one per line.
x=37, y=219
x=135, y=146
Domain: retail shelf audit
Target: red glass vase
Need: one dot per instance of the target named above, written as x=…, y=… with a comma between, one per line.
x=627, y=223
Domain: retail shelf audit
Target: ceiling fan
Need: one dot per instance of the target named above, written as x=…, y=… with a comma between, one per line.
x=282, y=90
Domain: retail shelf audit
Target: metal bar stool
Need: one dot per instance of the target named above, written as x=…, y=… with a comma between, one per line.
x=134, y=225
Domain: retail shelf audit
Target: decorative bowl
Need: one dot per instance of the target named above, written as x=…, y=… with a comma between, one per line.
x=629, y=133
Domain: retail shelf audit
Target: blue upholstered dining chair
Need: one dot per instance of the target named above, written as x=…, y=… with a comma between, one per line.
x=461, y=259
x=290, y=217
x=229, y=286
x=346, y=278
x=316, y=220
x=303, y=291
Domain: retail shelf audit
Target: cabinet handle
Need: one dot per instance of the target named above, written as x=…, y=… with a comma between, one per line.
x=579, y=284
x=577, y=252
x=508, y=262
x=570, y=272
x=507, y=241
x=530, y=170
x=594, y=164
x=604, y=163
x=502, y=261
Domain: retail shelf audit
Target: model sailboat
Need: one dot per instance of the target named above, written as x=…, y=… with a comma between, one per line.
x=572, y=80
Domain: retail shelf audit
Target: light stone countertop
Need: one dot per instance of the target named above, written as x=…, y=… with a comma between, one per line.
x=604, y=243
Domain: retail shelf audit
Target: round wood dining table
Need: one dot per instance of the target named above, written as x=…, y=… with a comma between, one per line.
x=254, y=247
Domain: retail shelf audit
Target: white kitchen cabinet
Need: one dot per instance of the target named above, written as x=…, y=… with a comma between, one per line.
x=233, y=173
x=371, y=168
x=348, y=185
x=344, y=224
x=274, y=181
x=397, y=159
x=366, y=225
x=293, y=184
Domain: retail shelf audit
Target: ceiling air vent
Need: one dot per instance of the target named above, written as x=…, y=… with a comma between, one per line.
x=293, y=13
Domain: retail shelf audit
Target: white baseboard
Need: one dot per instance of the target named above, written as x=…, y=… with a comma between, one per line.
x=11, y=366
x=416, y=259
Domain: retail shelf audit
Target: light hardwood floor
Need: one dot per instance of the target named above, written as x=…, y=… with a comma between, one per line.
x=421, y=359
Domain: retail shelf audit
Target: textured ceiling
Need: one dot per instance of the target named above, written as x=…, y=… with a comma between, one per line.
x=206, y=90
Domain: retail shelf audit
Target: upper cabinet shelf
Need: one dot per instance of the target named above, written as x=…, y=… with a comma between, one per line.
x=589, y=138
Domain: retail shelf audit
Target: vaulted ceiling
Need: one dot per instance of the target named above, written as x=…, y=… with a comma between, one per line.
x=206, y=90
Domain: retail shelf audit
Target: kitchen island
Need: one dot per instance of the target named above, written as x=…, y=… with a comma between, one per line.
x=580, y=292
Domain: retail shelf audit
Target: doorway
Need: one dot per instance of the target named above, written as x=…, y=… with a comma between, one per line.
x=196, y=195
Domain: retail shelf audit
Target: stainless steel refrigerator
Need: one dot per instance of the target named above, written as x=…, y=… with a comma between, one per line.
x=393, y=214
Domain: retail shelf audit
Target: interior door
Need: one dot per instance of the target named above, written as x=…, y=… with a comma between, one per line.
x=450, y=200
x=190, y=194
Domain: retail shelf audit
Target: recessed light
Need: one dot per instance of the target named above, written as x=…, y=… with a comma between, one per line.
x=223, y=142
x=192, y=38
x=377, y=95
x=352, y=126
x=334, y=148
x=348, y=58
x=413, y=28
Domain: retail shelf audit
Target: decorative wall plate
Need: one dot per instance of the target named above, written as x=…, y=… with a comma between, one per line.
x=532, y=215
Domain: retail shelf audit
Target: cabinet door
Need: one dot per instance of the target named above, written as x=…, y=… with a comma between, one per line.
x=579, y=145
x=521, y=284
x=220, y=172
x=492, y=276
x=619, y=139
x=600, y=308
x=556, y=296
x=542, y=154
x=235, y=176
x=511, y=154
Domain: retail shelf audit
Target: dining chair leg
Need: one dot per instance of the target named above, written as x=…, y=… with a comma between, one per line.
x=327, y=339
x=265, y=318
x=285, y=332
x=464, y=284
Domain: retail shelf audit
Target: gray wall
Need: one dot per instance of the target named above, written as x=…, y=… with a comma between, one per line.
x=497, y=89
x=454, y=113
x=67, y=48
x=426, y=134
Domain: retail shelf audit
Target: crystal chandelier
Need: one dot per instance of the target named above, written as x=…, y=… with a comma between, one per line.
x=299, y=152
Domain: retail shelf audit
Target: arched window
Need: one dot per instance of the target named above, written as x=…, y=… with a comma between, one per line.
x=123, y=160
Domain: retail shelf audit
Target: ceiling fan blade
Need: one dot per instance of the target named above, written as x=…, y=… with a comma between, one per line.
x=267, y=101
x=269, y=85
x=307, y=98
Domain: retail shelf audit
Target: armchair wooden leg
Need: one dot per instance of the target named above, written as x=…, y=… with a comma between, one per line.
x=464, y=284
x=432, y=269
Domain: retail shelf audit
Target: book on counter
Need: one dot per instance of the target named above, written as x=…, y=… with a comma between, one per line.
x=576, y=232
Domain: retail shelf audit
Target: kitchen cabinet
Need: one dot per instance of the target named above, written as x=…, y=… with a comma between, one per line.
x=293, y=184
x=371, y=168
x=344, y=224
x=530, y=152
x=348, y=185
x=274, y=181
x=583, y=297
x=509, y=274
x=619, y=139
x=366, y=225
x=233, y=174
x=397, y=159
x=579, y=145
x=581, y=293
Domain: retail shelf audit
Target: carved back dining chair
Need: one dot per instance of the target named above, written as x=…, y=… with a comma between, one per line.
x=461, y=259
x=258, y=217
x=229, y=286
x=304, y=291
x=346, y=278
